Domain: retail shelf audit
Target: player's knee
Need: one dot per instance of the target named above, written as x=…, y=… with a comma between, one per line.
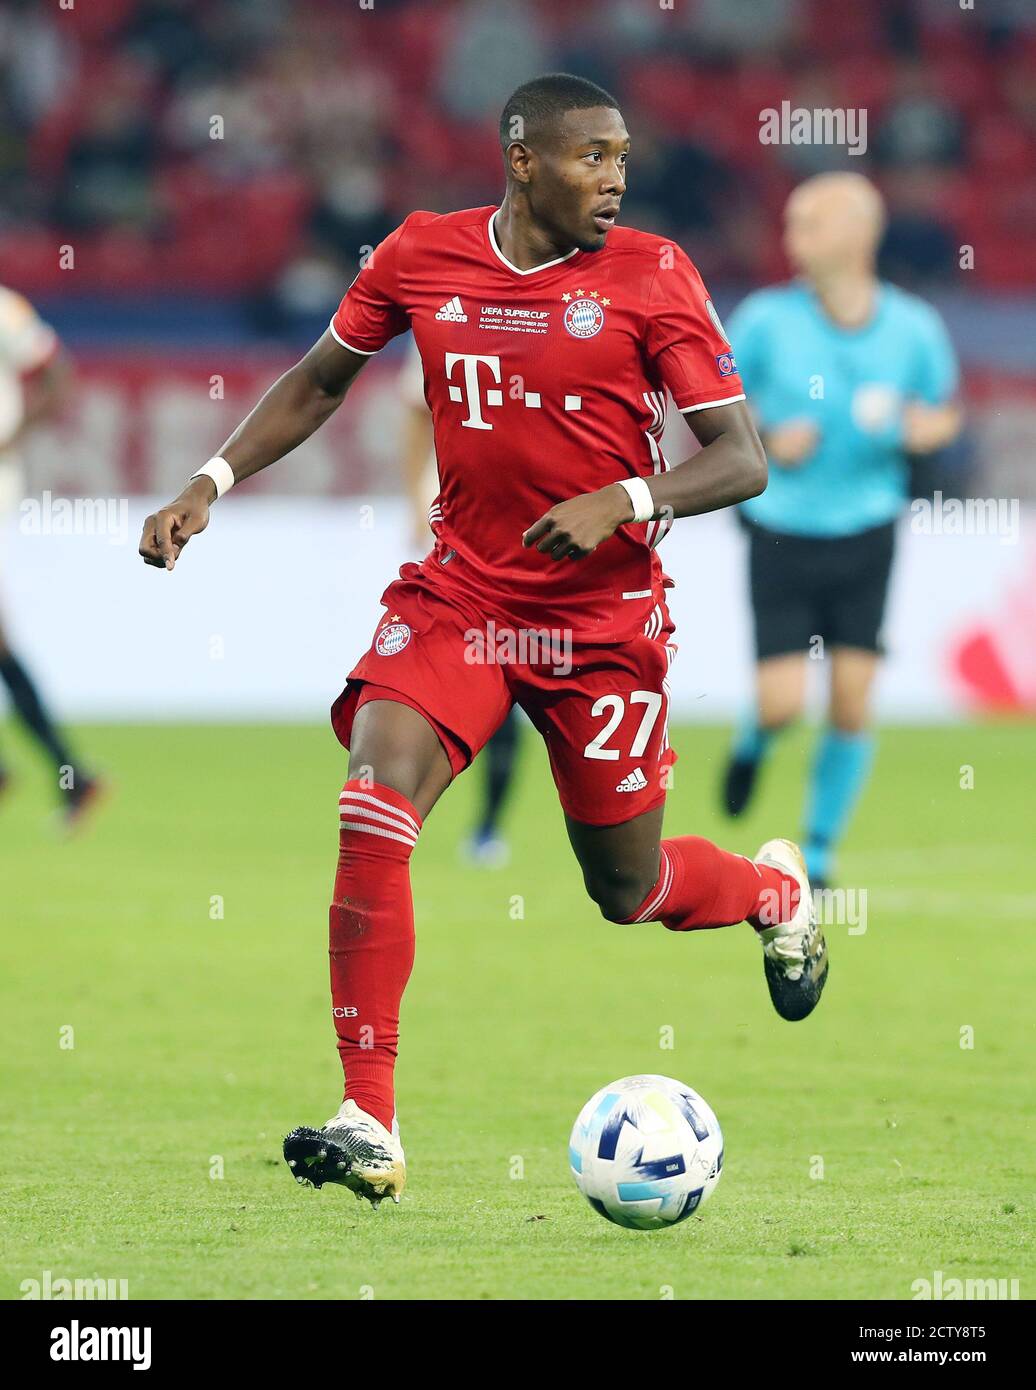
x=849, y=714
x=399, y=774
x=393, y=746
x=775, y=726
x=850, y=721
x=778, y=712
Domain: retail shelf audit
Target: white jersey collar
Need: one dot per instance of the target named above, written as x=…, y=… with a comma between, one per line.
x=533, y=270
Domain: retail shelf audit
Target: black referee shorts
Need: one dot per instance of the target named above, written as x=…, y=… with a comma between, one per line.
x=803, y=587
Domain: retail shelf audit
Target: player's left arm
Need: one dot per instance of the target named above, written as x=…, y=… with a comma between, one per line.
x=685, y=340
x=730, y=468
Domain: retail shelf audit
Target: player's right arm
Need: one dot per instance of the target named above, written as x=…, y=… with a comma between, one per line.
x=294, y=406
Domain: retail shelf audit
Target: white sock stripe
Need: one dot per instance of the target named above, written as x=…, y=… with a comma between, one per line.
x=373, y=830
x=754, y=865
x=381, y=805
x=411, y=835
x=380, y=811
x=667, y=878
x=667, y=885
x=659, y=898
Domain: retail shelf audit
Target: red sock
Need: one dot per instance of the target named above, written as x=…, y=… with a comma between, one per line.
x=700, y=885
x=372, y=939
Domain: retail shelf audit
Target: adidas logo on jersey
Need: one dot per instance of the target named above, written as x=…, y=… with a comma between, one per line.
x=452, y=312
x=635, y=782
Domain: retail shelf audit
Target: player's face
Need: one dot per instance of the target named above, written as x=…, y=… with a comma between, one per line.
x=579, y=180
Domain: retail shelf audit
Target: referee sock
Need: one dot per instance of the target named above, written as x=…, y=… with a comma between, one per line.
x=371, y=938
x=701, y=886
x=751, y=745
x=752, y=742
x=839, y=774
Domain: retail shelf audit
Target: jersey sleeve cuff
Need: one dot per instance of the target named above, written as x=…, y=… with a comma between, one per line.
x=709, y=405
x=364, y=352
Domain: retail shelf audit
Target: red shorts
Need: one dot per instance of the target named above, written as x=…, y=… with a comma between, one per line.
x=603, y=711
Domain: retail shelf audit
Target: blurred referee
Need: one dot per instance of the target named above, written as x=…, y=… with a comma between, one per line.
x=849, y=377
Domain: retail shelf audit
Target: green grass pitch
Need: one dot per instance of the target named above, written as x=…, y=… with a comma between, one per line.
x=150, y=1150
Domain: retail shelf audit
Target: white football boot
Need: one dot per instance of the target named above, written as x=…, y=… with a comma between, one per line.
x=794, y=952
x=354, y=1149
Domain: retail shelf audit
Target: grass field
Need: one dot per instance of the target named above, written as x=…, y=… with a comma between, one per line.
x=199, y=1042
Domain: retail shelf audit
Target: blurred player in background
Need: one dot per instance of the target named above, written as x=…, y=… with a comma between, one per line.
x=849, y=377
x=486, y=847
x=33, y=376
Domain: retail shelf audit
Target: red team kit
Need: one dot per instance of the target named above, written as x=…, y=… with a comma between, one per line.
x=542, y=384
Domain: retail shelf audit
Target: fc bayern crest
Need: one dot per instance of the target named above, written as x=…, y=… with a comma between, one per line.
x=584, y=318
x=392, y=639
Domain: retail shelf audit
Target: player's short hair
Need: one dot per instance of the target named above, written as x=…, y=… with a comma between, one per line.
x=535, y=108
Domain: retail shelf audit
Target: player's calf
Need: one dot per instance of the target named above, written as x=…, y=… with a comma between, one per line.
x=617, y=895
x=619, y=862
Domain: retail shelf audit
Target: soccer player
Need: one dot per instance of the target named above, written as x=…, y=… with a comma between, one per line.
x=486, y=847
x=848, y=378
x=549, y=337
x=32, y=379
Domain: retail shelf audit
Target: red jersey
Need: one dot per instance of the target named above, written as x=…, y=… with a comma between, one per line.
x=543, y=384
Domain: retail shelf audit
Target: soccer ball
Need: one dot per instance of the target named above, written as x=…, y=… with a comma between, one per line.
x=646, y=1152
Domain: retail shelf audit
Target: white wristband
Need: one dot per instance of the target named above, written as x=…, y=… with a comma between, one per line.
x=640, y=496
x=221, y=473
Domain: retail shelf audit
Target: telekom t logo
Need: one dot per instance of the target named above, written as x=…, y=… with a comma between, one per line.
x=470, y=387
x=471, y=393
